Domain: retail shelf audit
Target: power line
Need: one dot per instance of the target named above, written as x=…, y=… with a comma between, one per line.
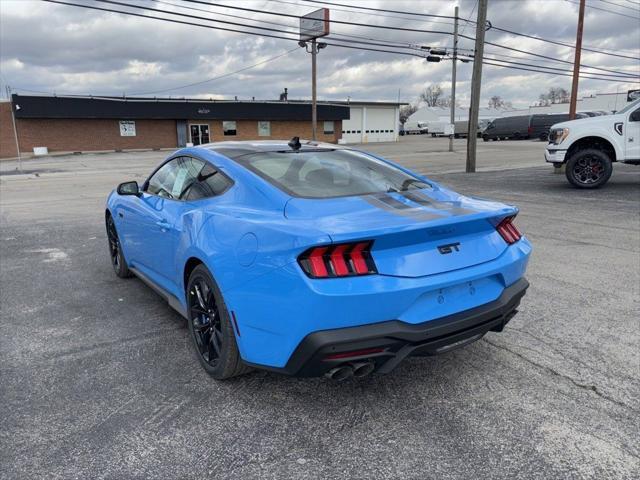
x=348, y=10
x=636, y=9
x=417, y=14
x=629, y=74
x=539, y=55
x=405, y=44
x=343, y=22
x=370, y=43
x=551, y=73
x=493, y=27
x=184, y=22
x=556, y=69
x=248, y=67
x=464, y=27
x=606, y=10
x=397, y=52
x=140, y=7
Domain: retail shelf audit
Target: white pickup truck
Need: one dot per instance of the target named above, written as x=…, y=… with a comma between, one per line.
x=589, y=146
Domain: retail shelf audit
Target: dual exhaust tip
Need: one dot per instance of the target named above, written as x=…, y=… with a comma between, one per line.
x=354, y=369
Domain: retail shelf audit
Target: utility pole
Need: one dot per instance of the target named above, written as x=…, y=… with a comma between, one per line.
x=15, y=129
x=314, y=104
x=576, y=63
x=453, y=78
x=476, y=81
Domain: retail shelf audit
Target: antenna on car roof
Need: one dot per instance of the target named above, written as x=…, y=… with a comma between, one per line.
x=294, y=143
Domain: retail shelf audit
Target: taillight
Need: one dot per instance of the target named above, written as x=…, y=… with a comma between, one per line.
x=342, y=260
x=508, y=230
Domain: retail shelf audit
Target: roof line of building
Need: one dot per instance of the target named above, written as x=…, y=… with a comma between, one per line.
x=209, y=100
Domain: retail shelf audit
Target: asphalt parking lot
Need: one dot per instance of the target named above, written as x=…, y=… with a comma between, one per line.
x=99, y=380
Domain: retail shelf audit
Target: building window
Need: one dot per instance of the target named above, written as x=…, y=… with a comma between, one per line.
x=229, y=128
x=264, y=129
x=328, y=127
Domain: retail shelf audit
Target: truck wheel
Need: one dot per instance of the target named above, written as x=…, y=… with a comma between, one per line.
x=544, y=137
x=485, y=138
x=589, y=168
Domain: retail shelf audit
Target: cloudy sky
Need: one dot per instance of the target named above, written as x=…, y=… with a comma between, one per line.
x=59, y=49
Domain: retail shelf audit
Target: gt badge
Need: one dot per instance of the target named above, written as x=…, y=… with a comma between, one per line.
x=449, y=248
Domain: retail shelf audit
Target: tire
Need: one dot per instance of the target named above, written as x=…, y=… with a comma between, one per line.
x=516, y=136
x=118, y=261
x=589, y=168
x=544, y=137
x=210, y=327
x=485, y=138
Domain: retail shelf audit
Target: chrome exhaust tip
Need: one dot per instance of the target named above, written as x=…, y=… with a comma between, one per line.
x=362, y=369
x=340, y=373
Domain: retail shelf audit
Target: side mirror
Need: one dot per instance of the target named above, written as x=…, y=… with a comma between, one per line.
x=129, y=188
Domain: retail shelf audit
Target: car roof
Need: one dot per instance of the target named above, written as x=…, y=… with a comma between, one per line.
x=235, y=149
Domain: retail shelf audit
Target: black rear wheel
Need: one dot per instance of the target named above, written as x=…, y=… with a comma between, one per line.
x=115, y=250
x=211, y=328
x=589, y=168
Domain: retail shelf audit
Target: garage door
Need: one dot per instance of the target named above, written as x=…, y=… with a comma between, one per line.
x=352, y=128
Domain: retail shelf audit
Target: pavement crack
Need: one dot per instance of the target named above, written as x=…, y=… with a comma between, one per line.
x=583, y=386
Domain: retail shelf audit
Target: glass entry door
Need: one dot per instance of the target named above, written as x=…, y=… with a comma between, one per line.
x=199, y=133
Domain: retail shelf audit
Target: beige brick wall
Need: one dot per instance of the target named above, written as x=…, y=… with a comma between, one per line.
x=84, y=135
x=79, y=135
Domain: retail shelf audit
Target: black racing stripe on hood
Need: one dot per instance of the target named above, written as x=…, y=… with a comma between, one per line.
x=417, y=214
x=422, y=199
x=392, y=202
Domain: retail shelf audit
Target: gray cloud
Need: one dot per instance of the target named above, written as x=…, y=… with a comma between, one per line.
x=54, y=48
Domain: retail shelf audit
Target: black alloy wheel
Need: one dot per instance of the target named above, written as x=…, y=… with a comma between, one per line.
x=205, y=320
x=211, y=329
x=589, y=168
x=115, y=250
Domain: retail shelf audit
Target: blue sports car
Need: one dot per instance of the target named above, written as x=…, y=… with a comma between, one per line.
x=313, y=259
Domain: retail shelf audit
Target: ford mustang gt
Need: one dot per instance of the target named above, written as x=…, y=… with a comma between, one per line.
x=313, y=259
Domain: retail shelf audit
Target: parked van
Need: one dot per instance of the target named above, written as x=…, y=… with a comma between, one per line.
x=540, y=124
x=504, y=128
x=415, y=128
x=462, y=128
x=436, y=129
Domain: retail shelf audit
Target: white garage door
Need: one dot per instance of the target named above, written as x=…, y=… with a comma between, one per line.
x=380, y=124
x=370, y=124
x=352, y=128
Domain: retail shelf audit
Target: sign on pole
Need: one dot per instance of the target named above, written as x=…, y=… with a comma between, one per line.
x=314, y=24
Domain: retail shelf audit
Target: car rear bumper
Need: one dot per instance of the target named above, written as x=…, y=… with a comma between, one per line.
x=398, y=340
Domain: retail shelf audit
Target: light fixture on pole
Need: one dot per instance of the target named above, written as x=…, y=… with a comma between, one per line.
x=312, y=26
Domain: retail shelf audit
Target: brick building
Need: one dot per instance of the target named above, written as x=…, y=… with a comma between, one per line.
x=82, y=124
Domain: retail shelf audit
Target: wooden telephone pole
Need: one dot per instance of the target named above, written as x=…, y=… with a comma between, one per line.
x=576, y=63
x=476, y=81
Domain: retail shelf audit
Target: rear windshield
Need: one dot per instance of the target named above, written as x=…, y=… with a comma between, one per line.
x=329, y=173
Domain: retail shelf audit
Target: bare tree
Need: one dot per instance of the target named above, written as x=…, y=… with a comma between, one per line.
x=553, y=96
x=432, y=96
x=496, y=102
x=406, y=111
x=446, y=102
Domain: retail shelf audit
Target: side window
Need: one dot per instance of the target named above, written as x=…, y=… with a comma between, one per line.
x=264, y=129
x=635, y=116
x=328, y=127
x=229, y=128
x=209, y=183
x=174, y=178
